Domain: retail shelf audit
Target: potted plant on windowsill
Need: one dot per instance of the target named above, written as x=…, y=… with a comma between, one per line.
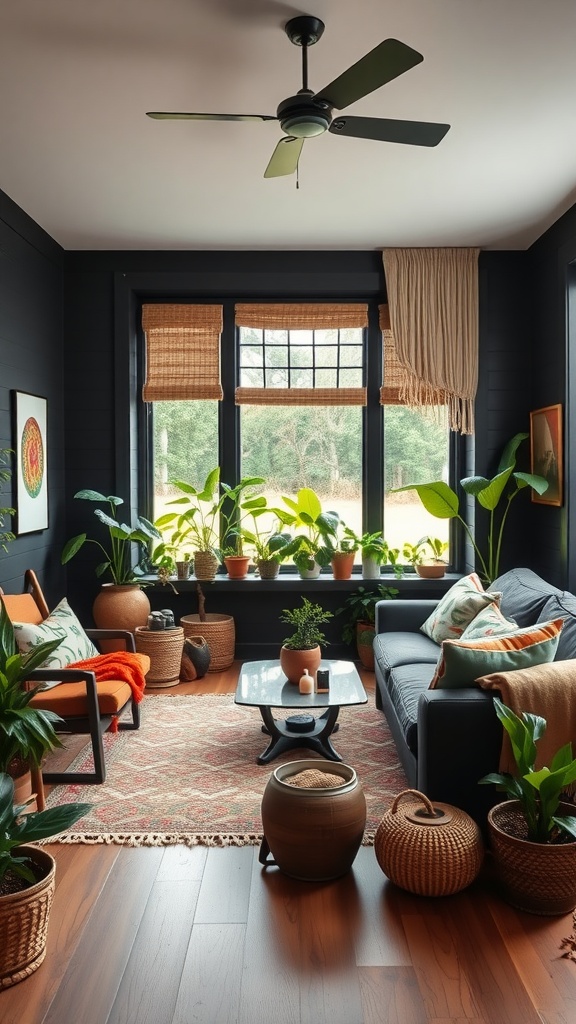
x=237, y=506
x=310, y=549
x=441, y=501
x=302, y=649
x=27, y=880
x=374, y=554
x=121, y=604
x=198, y=521
x=360, y=610
x=269, y=545
x=533, y=834
x=343, y=546
x=432, y=566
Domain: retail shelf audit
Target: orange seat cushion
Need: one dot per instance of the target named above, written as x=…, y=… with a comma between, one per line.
x=69, y=699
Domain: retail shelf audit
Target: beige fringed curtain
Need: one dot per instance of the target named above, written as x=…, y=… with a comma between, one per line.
x=432, y=335
x=298, y=317
x=182, y=351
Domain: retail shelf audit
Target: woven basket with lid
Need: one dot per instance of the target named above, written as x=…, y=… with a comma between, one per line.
x=428, y=849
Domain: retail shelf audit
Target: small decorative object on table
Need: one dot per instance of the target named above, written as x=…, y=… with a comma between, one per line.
x=306, y=684
x=322, y=680
x=431, y=850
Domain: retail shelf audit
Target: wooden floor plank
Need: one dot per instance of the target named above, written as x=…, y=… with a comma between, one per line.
x=96, y=969
x=182, y=863
x=210, y=985
x=379, y=939
x=436, y=958
x=159, y=952
x=391, y=994
x=225, y=888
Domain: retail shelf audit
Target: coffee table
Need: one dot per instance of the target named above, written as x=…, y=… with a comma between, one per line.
x=262, y=684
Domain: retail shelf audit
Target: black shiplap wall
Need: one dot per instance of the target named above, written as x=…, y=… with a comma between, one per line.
x=32, y=359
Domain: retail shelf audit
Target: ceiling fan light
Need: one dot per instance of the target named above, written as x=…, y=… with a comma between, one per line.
x=304, y=126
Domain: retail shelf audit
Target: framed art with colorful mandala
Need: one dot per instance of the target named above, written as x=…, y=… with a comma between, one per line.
x=30, y=444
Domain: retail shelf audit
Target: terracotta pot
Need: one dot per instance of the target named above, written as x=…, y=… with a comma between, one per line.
x=293, y=663
x=537, y=877
x=313, y=833
x=365, y=633
x=24, y=921
x=121, y=607
x=23, y=790
x=237, y=566
x=342, y=565
x=205, y=565
x=431, y=570
x=268, y=568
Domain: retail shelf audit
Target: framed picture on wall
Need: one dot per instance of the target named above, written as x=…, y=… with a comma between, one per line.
x=546, y=453
x=30, y=446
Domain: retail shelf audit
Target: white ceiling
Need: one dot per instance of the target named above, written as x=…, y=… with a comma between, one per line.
x=79, y=155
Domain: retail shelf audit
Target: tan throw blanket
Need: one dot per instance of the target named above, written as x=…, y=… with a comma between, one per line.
x=547, y=690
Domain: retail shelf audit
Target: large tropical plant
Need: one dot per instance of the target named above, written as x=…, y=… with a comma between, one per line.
x=117, y=559
x=26, y=733
x=441, y=501
x=198, y=517
x=538, y=791
x=315, y=530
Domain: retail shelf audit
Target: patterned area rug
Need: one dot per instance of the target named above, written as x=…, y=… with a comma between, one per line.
x=189, y=774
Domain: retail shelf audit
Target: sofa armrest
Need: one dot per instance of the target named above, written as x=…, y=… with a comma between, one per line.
x=459, y=741
x=113, y=634
x=403, y=616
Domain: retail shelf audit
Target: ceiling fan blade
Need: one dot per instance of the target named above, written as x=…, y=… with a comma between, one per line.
x=385, y=62
x=284, y=159
x=381, y=129
x=162, y=115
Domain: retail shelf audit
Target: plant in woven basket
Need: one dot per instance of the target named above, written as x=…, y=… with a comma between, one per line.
x=538, y=791
x=17, y=828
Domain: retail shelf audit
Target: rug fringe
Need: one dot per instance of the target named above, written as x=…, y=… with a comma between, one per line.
x=164, y=839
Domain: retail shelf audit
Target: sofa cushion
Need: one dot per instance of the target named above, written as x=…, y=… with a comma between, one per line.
x=563, y=605
x=463, y=661
x=392, y=649
x=488, y=622
x=405, y=684
x=524, y=595
x=457, y=608
x=62, y=624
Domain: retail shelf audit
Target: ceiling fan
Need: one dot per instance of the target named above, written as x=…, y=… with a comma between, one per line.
x=307, y=113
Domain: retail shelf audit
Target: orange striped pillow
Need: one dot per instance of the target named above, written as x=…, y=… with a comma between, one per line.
x=463, y=661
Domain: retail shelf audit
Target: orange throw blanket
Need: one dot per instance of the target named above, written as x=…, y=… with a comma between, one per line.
x=123, y=665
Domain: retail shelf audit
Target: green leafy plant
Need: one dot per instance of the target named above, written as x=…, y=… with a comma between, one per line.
x=306, y=621
x=199, y=523
x=373, y=545
x=237, y=506
x=270, y=544
x=17, y=828
x=538, y=791
x=435, y=545
x=117, y=558
x=412, y=553
x=5, y=474
x=394, y=560
x=360, y=607
x=343, y=541
x=26, y=733
x=441, y=501
x=318, y=528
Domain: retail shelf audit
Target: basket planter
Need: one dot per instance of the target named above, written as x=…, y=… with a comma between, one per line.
x=164, y=648
x=24, y=921
x=219, y=633
x=428, y=849
x=293, y=662
x=537, y=877
x=205, y=565
x=183, y=569
x=314, y=832
x=268, y=568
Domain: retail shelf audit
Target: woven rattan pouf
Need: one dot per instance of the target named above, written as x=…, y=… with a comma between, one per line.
x=428, y=849
x=164, y=648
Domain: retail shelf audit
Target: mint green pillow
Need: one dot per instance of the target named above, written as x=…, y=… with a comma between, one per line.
x=457, y=608
x=463, y=661
x=61, y=623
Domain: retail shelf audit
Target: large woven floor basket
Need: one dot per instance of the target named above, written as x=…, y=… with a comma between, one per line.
x=24, y=922
x=219, y=633
x=164, y=648
x=429, y=848
x=537, y=877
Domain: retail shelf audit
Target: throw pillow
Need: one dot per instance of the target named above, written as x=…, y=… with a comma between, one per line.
x=489, y=622
x=62, y=622
x=457, y=608
x=463, y=661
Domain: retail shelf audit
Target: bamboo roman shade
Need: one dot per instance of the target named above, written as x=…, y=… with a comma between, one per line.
x=294, y=316
x=182, y=351
x=431, y=338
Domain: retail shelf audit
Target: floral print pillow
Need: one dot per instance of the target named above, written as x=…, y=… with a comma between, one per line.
x=458, y=608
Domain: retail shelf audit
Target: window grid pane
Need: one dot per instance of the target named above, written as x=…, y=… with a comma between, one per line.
x=305, y=358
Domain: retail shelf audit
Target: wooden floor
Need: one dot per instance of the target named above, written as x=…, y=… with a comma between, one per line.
x=206, y=936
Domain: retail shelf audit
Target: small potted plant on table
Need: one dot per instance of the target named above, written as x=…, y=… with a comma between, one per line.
x=301, y=650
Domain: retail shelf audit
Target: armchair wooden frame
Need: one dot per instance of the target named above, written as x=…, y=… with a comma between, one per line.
x=94, y=722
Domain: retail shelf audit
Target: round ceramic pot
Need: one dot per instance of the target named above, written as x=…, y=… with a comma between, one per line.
x=310, y=574
x=237, y=566
x=342, y=565
x=313, y=832
x=24, y=921
x=293, y=663
x=431, y=570
x=121, y=607
x=537, y=877
x=370, y=569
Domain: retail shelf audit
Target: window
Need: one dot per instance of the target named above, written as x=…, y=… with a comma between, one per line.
x=345, y=442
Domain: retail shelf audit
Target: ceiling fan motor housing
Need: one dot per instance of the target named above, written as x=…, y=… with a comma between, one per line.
x=304, y=116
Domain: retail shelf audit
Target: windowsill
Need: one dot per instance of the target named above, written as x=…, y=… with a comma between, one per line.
x=410, y=583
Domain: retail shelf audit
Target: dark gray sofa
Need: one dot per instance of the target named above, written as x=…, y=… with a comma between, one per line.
x=448, y=739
